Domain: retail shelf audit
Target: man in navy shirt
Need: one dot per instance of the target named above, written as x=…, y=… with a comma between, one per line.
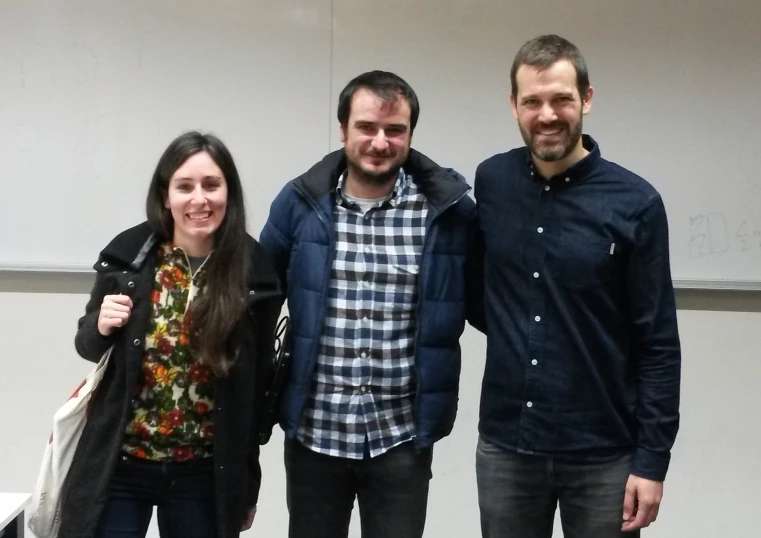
x=580, y=398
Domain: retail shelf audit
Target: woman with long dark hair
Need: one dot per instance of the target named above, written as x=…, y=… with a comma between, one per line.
x=189, y=302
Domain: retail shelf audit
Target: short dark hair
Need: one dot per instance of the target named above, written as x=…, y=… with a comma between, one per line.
x=216, y=312
x=388, y=86
x=544, y=51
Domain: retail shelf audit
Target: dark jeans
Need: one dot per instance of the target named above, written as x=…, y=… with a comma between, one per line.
x=183, y=493
x=518, y=493
x=391, y=489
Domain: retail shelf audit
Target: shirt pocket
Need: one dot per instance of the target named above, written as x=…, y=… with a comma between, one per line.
x=584, y=262
x=401, y=264
x=405, y=269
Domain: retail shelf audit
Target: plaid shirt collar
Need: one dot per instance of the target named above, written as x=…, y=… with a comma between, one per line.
x=402, y=180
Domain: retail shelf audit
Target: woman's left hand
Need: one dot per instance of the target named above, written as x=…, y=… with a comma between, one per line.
x=250, y=513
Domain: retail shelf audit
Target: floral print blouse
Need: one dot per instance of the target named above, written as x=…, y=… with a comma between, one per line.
x=172, y=409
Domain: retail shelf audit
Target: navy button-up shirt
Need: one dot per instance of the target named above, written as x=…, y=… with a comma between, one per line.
x=583, y=355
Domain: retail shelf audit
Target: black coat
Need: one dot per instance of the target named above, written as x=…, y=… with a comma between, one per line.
x=127, y=265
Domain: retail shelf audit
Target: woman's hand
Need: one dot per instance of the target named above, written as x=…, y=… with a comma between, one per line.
x=114, y=312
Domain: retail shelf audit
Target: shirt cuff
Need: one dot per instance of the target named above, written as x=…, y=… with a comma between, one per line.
x=650, y=465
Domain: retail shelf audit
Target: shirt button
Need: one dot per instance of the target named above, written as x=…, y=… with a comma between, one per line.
x=131, y=284
x=362, y=389
x=567, y=179
x=536, y=275
x=136, y=342
x=546, y=187
x=534, y=362
x=363, y=355
x=529, y=404
x=538, y=318
x=252, y=292
x=368, y=249
x=104, y=264
x=540, y=229
x=364, y=320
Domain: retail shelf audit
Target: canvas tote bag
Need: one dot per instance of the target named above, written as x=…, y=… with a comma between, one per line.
x=68, y=424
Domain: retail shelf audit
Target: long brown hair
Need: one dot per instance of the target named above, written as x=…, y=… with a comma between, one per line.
x=215, y=313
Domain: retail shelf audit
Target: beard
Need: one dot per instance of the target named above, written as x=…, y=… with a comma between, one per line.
x=569, y=139
x=374, y=176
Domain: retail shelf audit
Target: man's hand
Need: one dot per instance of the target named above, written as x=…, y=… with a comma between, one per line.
x=641, y=503
x=250, y=513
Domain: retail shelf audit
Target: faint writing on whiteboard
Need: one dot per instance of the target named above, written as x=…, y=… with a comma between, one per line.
x=714, y=234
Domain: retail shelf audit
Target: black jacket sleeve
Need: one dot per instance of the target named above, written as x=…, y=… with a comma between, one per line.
x=266, y=320
x=90, y=344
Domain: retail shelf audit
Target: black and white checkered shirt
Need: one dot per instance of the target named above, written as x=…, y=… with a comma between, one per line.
x=364, y=386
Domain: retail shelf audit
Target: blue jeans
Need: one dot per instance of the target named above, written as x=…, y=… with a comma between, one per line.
x=391, y=489
x=183, y=493
x=518, y=494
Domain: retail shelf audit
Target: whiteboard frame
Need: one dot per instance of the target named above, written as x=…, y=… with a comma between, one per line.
x=679, y=283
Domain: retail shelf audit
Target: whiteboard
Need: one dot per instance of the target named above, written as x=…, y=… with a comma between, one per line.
x=93, y=92
x=676, y=100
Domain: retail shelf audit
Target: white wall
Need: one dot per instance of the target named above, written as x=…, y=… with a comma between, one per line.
x=711, y=489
